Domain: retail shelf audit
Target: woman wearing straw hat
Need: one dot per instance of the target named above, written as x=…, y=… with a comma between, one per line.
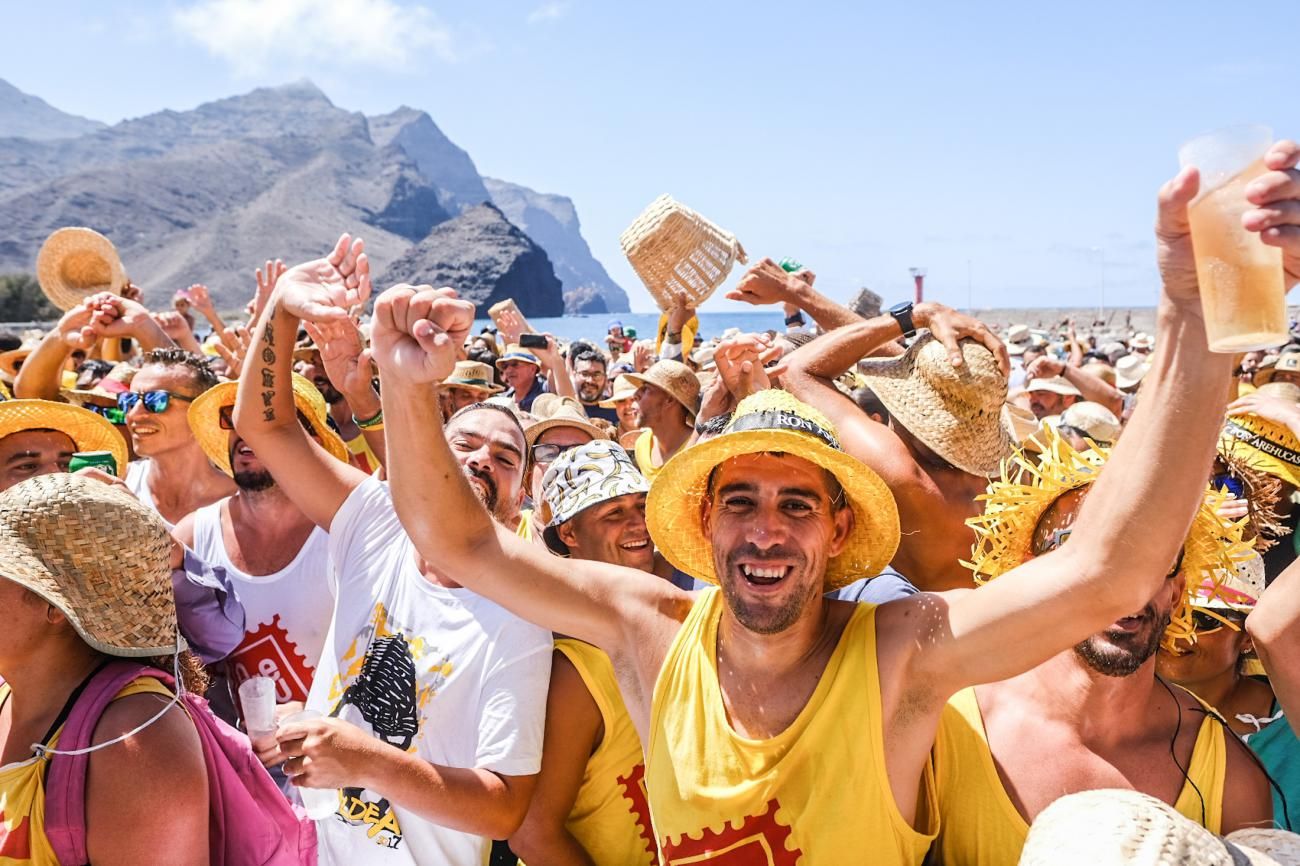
x=740, y=696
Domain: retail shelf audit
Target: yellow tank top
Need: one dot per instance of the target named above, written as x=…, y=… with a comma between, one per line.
x=22, y=795
x=361, y=455
x=525, y=527
x=978, y=822
x=814, y=794
x=610, y=817
x=644, y=452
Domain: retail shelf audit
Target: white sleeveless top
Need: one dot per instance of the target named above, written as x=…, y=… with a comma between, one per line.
x=287, y=613
x=137, y=481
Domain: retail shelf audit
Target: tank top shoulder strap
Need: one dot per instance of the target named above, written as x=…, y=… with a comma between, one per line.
x=597, y=673
x=208, y=541
x=685, y=651
x=1206, y=772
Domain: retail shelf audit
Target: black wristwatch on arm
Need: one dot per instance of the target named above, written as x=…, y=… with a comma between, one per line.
x=902, y=314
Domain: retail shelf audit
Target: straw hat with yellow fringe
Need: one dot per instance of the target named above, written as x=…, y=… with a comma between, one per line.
x=1029, y=485
x=1264, y=445
x=88, y=431
x=75, y=263
x=772, y=421
x=205, y=422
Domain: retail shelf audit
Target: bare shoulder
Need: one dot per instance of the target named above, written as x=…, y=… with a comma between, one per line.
x=183, y=531
x=169, y=748
x=1247, y=795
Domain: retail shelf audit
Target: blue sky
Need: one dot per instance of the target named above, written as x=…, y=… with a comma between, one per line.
x=1012, y=149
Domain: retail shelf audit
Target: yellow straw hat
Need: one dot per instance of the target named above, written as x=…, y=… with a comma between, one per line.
x=624, y=389
x=1029, y=485
x=75, y=263
x=98, y=555
x=771, y=420
x=1262, y=444
x=88, y=431
x=552, y=410
x=205, y=420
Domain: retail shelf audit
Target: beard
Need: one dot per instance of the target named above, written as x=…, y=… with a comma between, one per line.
x=757, y=617
x=590, y=393
x=1119, y=654
x=486, y=490
x=254, y=480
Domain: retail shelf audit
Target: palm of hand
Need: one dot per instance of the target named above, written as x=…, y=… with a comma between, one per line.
x=306, y=288
x=340, y=351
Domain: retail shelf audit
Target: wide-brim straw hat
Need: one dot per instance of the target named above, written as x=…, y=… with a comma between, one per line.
x=1130, y=370
x=673, y=377
x=1286, y=363
x=956, y=411
x=624, y=389
x=772, y=421
x=205, y=423
x=516, y=353
x=1031, y=483
x=88, y=431
x=1142, y=340
x=98, y=555
x=10, y=360
x=1114, y=827
x=1263, y=445
x=1096, y=421
x=553, y=411
x=75, y=263
x=473, y=375
x=1054, y=384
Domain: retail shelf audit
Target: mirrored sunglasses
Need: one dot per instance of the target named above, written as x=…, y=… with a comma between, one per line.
x=154, y=401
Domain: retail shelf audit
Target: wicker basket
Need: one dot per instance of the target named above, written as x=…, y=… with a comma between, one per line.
x=673, y=249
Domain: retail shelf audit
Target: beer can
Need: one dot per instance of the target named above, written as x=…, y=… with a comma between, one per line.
x=98, y=459
x=790, y=265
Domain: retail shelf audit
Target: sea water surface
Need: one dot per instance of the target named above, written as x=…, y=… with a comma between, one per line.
x=595, y=327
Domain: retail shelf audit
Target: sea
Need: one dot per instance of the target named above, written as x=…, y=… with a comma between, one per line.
x=595, y=327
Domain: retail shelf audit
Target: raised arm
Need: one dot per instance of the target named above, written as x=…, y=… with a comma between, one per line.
x=321, y=291
x=1135, y=519
x=767, y=283
x=348, y=365
x=1274, y=626
x=416, y=339
x=1093, y=388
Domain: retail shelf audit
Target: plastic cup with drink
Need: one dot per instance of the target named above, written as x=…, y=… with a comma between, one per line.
x=1240, y=277
x=319, y=803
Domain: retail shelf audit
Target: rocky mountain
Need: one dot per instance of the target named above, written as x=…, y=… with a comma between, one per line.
x=552, y=221
x=207, y=194
x=487, y=259
x=25, y=116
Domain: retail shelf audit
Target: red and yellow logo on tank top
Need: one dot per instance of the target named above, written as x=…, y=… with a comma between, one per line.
x=760, y=840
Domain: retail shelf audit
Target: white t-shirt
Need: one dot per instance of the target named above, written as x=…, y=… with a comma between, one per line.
x=286, y=614
x=441, y=672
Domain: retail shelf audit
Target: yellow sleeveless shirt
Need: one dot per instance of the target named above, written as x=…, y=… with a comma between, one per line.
x=644, y=453
x=815, y=794
x=22, y=795
x=978, y=822
x=610, y=817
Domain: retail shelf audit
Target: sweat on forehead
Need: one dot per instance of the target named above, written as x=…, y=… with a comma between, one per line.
x=459, y=420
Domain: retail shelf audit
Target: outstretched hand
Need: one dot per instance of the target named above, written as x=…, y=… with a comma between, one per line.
x=1270, y=407
x=328, y=289
x=1276, y=197
x=768, y=283
x=740, y=364
x=419, y=332
x=951, y=327
x=343, y=354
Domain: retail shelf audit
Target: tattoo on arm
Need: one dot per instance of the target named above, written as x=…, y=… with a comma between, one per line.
x=268, y=357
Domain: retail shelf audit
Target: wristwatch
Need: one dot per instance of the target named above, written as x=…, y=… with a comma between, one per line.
x=902, y=313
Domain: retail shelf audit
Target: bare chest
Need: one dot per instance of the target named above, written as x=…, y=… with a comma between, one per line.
x=261, y=551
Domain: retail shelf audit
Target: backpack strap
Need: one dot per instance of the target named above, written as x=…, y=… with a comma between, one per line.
x=65, y=785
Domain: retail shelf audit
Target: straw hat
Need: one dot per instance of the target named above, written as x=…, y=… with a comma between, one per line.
x=472, y=375
x=88, y=431
x=1030, y=484
x=1017, y=339
x=673, y=377
x=105, y=392
x=205, y=422
x=552, y=410
x=1262, y=444
x=9, y=361
x=1142, y=340
x=1055, y=384
x=1238, y=589
x=956, y=411
x=1112, y=827
x=1286, y=363
x=75, y=263
x=771, y=420
x=1096, y=421
x=624, y=389
x=583, y=477
x=516, y=353
x=1129, y=371
x=98, y=555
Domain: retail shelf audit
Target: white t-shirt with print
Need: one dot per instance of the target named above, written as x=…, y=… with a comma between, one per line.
x=442, y=672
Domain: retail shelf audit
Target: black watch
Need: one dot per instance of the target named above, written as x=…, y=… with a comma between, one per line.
x=902, y=313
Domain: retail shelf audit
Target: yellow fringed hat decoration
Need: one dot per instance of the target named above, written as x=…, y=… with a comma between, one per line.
x=1029, y=484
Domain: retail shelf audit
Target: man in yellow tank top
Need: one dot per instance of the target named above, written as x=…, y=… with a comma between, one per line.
x=781, y=727
x=1095, y=715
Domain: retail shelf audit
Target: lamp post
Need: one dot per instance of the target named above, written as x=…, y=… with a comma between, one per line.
x=918, y=275
x=1101, y=280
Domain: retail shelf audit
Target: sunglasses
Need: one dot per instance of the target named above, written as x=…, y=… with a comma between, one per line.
x=226, y=420
x=154, y=401
x=547, y=453
x=1059, y=537
x=1205, y=621
x=114, y=414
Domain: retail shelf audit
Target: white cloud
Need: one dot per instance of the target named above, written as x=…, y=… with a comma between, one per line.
x=549, y=11
x=253, y=35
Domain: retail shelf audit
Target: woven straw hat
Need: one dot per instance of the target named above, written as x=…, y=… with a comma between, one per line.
x=1113, y=827
x=583, y=477
x=1096, y=421
x=552, y=410
x=205, y=423
x=673, y=377
x=10, y=360
x=96, y=554
x=674, y=249
x=771, y=420
x=1018, y=339
x=1030, y=484
x=75, y=263
x=106, y=391
x=624, y=389
x=517, y=353
x=956, y=411
x=88, y=431
x=473, y=375
x=1263, y=445
x=1237, y=589
x=1287, y=363
x=1055, y=384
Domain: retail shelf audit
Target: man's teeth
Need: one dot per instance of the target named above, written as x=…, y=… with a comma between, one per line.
x=636, y=545
x=766, y=573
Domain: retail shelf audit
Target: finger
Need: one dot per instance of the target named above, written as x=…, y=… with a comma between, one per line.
x=340, y=250
x=950, y=341
x=1282, y=155
x=1279, y=213
x=1175, y=195
x=807, y=276
x=1286, y=237
x=314, y=312
x=1274, y=186
x=229, y=358
x=998, y=348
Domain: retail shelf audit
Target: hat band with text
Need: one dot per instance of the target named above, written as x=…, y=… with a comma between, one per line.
x=1262, y=443
x=774, y=419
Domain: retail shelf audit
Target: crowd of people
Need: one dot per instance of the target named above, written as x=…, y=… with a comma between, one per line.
x=795, y=597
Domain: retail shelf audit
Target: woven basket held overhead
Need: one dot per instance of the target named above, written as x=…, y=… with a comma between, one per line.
x=672, y=248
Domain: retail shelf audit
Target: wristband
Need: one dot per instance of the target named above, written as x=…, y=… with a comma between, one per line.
x=794, y=320
x=670, y=337
x=374, y=422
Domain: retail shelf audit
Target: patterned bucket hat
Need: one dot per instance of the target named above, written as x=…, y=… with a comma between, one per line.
x=583, y=477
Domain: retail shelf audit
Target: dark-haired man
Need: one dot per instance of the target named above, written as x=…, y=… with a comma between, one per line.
x=433, y=697
x=590, y=376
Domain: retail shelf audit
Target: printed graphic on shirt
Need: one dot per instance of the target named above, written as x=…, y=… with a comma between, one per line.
x=387, y=680
x=633, y=785
x=267, y=651
x=15, y=841
x=760, y=840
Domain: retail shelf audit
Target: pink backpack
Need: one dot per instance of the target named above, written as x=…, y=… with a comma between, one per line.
x=250, y=823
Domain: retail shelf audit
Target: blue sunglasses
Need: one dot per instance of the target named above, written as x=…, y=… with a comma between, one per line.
x=154, y=401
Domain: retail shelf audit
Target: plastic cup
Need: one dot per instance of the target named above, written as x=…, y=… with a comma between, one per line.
x=1240, y=277
x=257, y=699
x=319, y=803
